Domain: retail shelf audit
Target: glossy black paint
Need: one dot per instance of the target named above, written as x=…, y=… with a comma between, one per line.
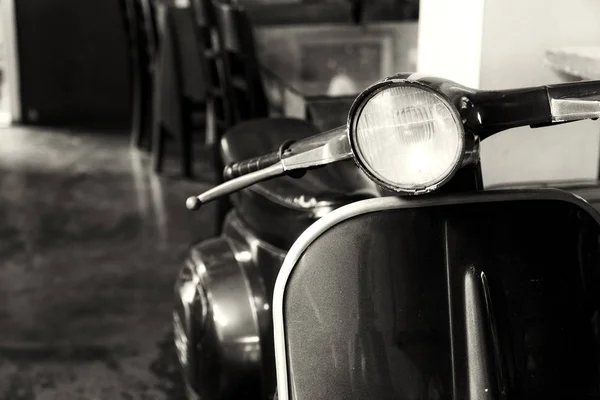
x=466, y=179
x=487, y=112
x=589, y=90
x=278, y=211
x=495, y=300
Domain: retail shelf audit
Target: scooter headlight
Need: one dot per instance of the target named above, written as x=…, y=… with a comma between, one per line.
x=406, y=137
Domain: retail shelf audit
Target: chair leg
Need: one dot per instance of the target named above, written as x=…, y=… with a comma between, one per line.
x=148, y=128
x=185, y=144
x=223, y=207
x=217, y=161
x=142, y=139
x=136, y=124
x=223, y=204
x=210, y=125
x=158, y=149
x=136, y=107
x=154, y=107
x=150, y=109
x=186, y=159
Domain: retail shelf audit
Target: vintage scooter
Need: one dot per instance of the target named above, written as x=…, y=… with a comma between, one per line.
x=222, y=320
x=454, y=294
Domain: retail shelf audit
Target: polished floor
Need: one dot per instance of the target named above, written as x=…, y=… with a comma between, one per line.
x=90, y=243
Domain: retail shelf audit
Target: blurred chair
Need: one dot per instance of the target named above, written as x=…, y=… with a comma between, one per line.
x=251, y=132
x=239, y=66
x=141, y=30
x=189, y=97
x=208, y=36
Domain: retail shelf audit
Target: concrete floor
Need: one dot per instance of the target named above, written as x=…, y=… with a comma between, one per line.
x=90, y=243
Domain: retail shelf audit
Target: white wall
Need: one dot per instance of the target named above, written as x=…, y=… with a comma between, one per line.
x=504, y=42
x=450, y=39
x=8, y=21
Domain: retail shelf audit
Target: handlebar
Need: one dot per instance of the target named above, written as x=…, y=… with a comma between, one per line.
x=250, y=165
x=254, y=164
x=483, y=113
x=195, y=202
x=494, y=111
x=292, y=158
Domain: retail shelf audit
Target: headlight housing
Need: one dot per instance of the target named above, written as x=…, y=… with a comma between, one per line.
x=407, y=137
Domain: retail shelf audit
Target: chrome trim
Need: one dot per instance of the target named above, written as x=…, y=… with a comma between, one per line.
x=415, y=76
x=259, y=191
x=477, y=328
x=573, y=109
x=380, y=204
x=233, y=295
x=320, y=207
x=391, y=82
x=321, y=149
x=181, y=340
x=472, y=153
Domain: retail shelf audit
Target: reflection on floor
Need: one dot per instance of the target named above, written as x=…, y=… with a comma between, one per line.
x=90, y=243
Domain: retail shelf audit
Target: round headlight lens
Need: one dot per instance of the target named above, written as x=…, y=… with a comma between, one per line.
x=409, y=138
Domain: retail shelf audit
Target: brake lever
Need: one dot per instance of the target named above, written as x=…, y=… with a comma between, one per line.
x=233, y=185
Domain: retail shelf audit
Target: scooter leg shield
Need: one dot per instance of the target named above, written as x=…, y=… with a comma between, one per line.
x=485, y=296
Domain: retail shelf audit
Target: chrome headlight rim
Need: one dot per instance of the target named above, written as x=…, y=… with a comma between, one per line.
x=356, y=110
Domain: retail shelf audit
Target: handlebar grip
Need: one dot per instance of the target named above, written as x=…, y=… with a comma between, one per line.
x=250, y=165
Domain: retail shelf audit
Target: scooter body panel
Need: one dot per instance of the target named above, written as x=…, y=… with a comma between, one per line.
x=222, y=320
x=493, y=295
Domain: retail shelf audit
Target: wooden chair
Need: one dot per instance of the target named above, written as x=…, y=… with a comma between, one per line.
x=130, y=21
x=147, y=9
x=219, y=105
x=210, y=46
x=197, y=95
x=181, y=90
x=239, y=66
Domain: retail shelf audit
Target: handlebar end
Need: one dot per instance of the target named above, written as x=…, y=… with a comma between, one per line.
x=193, y=203
x=228, y=172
